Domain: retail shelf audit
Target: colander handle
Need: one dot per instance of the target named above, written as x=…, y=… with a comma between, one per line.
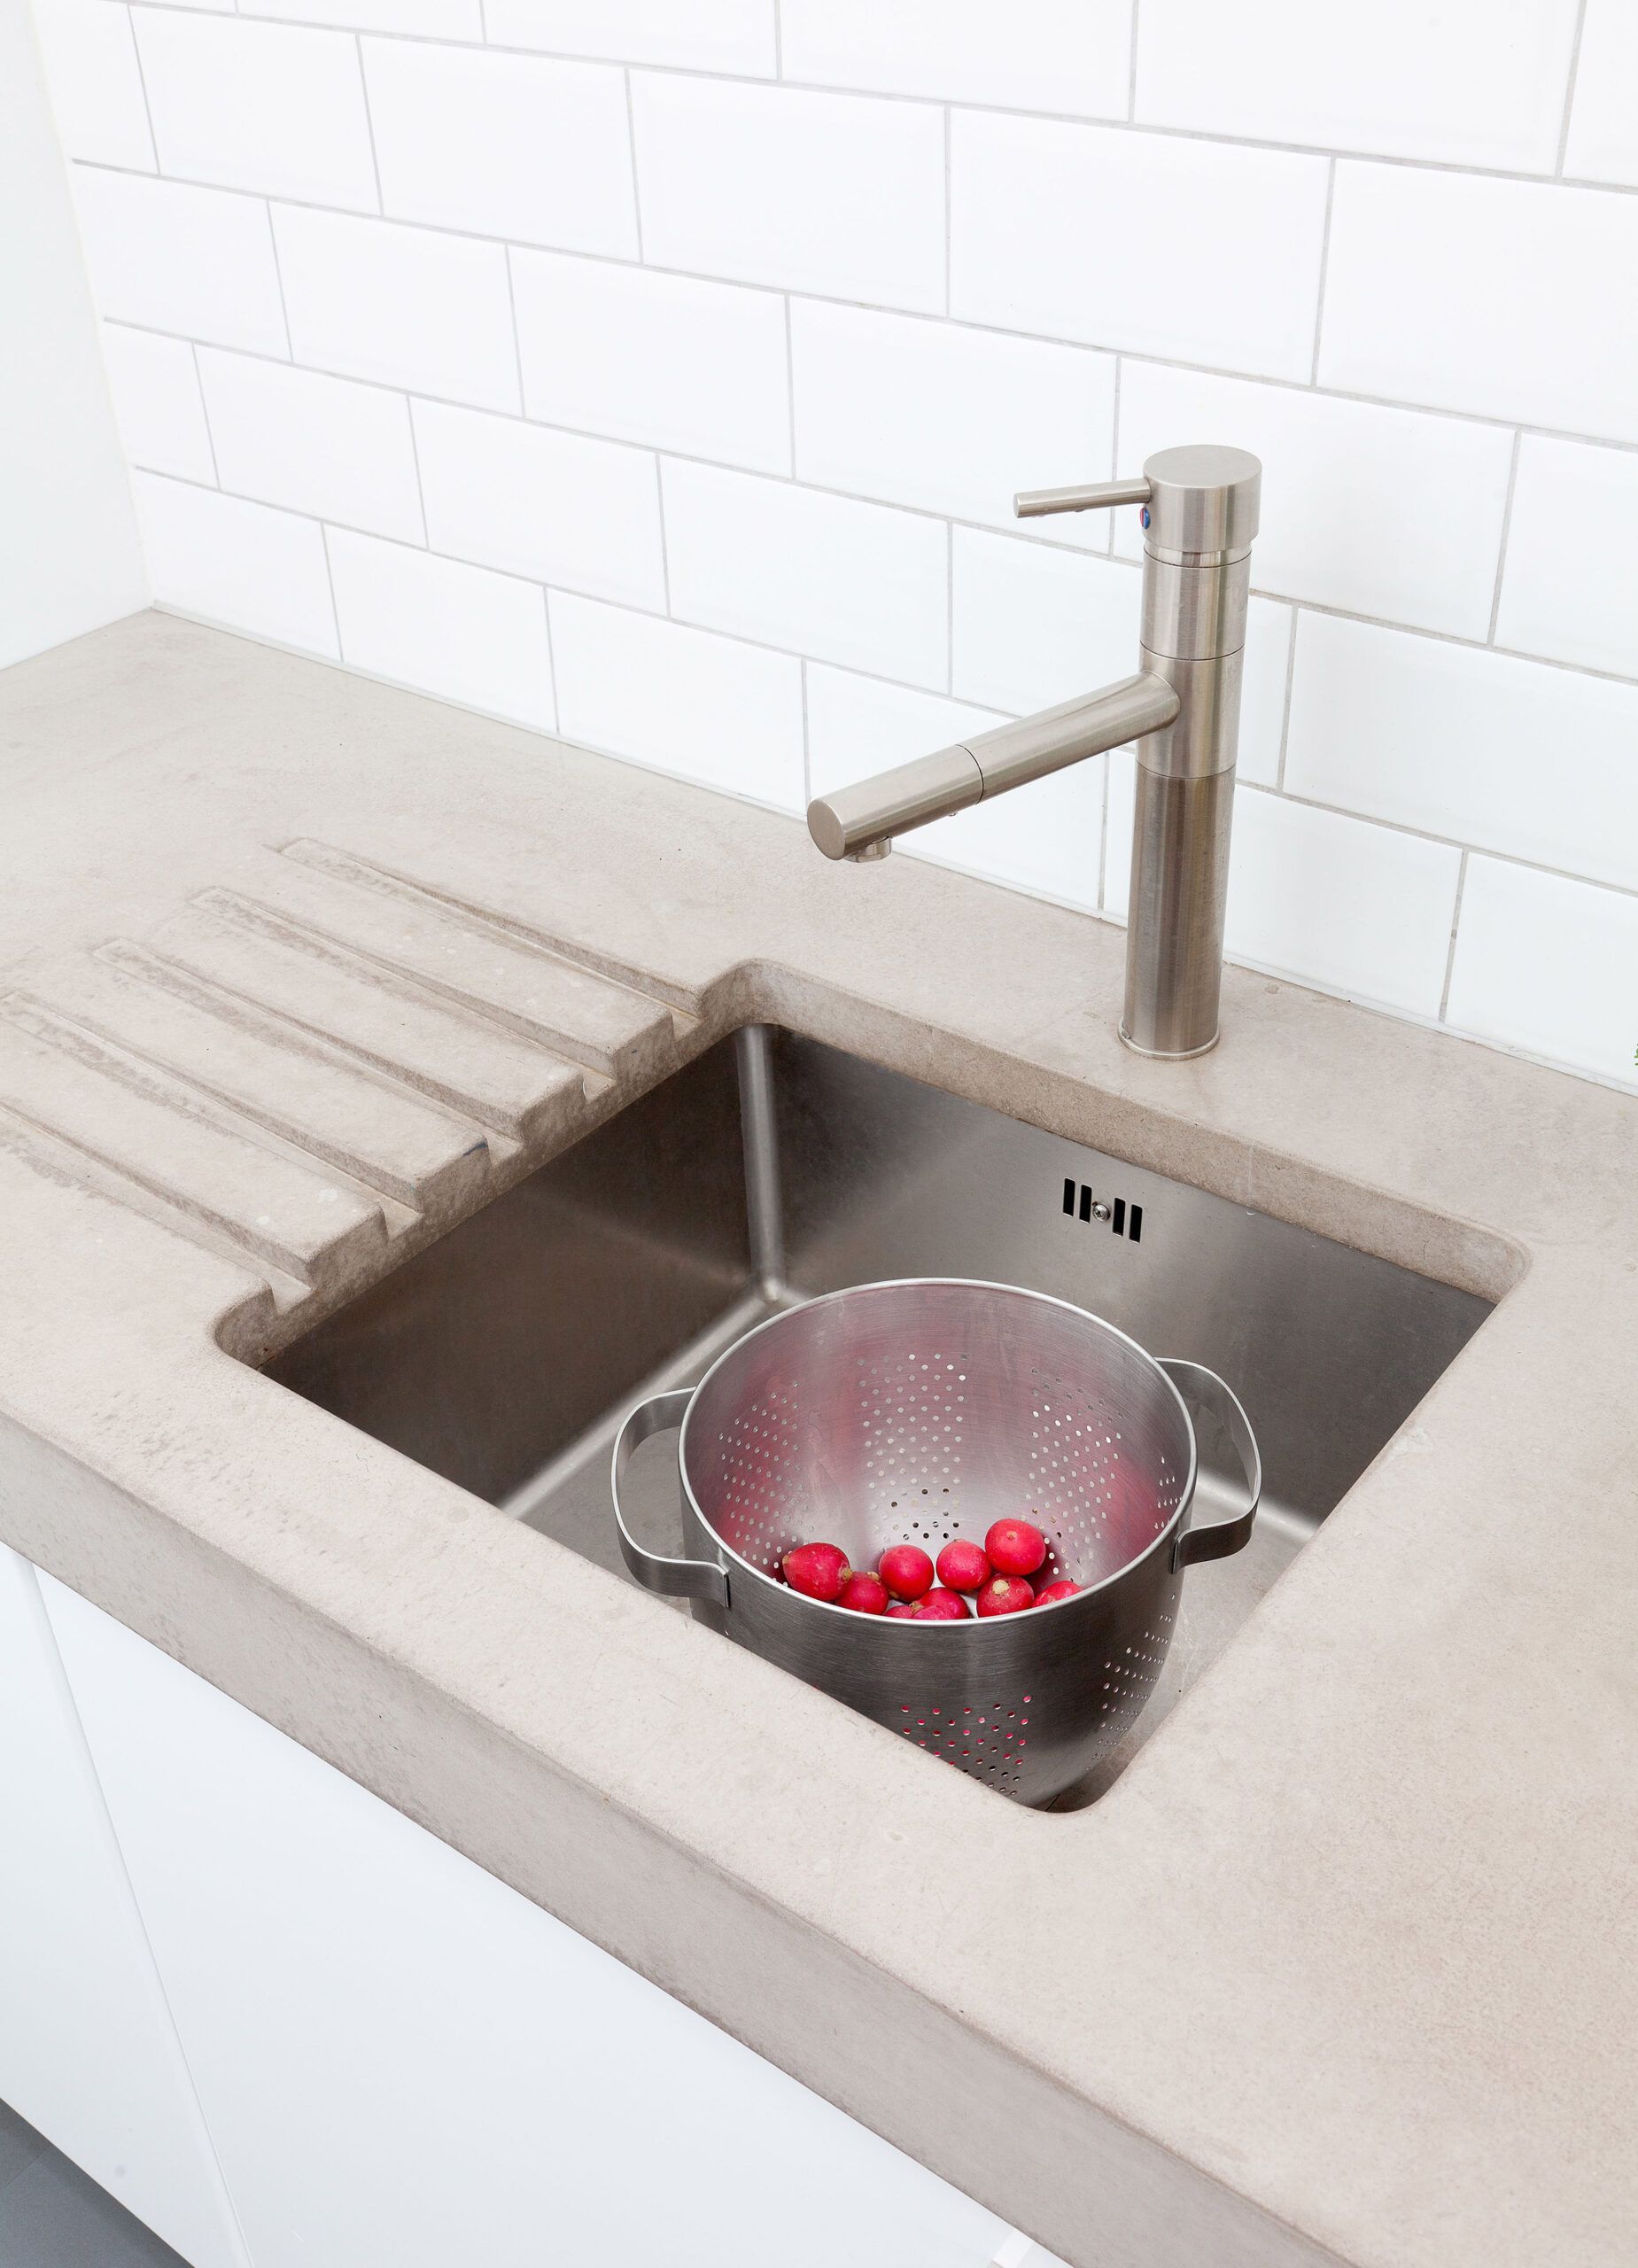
x=1223, y=1537
x=674, y=1578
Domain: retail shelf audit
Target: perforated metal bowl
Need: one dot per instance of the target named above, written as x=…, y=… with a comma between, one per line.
x=913, y=1412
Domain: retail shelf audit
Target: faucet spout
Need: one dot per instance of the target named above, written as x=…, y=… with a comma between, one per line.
x=860, y=821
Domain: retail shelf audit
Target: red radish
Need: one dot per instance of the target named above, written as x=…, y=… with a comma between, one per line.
x=942, y=1606
x=962, y=1567
x=1015, y=1547
x=818, y=1571
x=907, y=1570
x=863, y=1594
x=904, y=1612
x=1007, y=1595
x=1053, y=1592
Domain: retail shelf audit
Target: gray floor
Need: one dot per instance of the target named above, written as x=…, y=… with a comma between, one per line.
x=53, y=2216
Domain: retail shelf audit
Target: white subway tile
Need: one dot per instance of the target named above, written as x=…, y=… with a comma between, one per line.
x=950, y=419
x=156, y=400
x=1571, y=584
x=461, y=632
x=1478, y=83
x=420, y=19
x=1044, y=837
x=1358, y=909
x=1603, y=120
x=262, y=106
x=699, y=367
x=1264, y=674
x=706, y=34
x=1194, y=250
x=1053, y=55
x=834, y=194
x=1382, y=511
x=97, y=89
x=403, y=305
x=1505, y=755
x=1034, y=625
x=509, y=145
x=1497, y=296
x=705, y=708
x=325, y=446
x=552, y=506
x=847, y=582
x=1118, y=809
x=196, y=261
x=1547, y=965
x=235, y=563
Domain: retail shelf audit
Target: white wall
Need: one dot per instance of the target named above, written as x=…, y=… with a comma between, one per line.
x=663, y=373
x=69, y=555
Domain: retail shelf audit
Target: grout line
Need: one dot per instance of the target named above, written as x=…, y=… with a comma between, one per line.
x=790, y=383
x=1455, y=923
x=415, y=456
x=329, y=577
x=949, y=213
x=1131, y=76
x=1103, y=838
x=142, y=82
x=631, y=140
x=807, y=739
x=1291, y=678
x=665, y=551
x=370, y=123
x=1488, y=420
x=996, y=528
x=278, y=277
x=551, y=657
x=1507, y=523
x=204, y=412
x=517, y=351
x=1540, y=179
x=1107, y=547
x=949, y=608
x=1325, y=264
x=483, y=22
x=779, y=40
x=1570, y=88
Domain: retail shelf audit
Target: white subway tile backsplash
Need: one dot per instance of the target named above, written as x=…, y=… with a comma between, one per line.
x=509, y=146
x=1570, y=586
x=1045, y=837
x=1603, y=120
x=1497, y=296
x=1265, y=673
x=240, y=564
x=194, y=261
x=1506, y=754
x=683, y=701
x=97, y=89
x=330, y=447
x=406, y=306
x=848, y=582
x=156, y=402
x=259, y=106
x=1547, y=965
x=463, y=633
x=833, y=194
x=948, y=418
x=1033, y=625
x=413, y=18
x=1159, y=243
x=736, y=35
x=697, y=367
x=1478, y=83
x=1389, y=512
x=552, y=506
x=1357, y=909
x=1049, y=55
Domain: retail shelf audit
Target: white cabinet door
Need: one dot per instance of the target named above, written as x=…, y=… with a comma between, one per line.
x=87, y=2051
x=403, y=2061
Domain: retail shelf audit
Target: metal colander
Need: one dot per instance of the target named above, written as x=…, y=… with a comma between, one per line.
x=913, y=1412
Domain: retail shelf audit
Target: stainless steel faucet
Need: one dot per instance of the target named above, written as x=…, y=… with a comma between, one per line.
x=1182, y=710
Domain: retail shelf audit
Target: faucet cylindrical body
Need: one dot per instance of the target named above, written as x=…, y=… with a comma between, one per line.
x=1198, y=523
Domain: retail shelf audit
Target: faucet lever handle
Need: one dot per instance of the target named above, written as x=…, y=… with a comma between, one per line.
x=1036, y=503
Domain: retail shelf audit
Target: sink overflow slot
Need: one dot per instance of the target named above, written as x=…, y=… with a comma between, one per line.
x=1081, y=1205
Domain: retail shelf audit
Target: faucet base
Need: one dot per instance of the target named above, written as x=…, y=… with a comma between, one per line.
x=1169, y=1054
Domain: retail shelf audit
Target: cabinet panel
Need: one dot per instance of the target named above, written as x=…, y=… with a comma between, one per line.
x=402, y=2060
x=87, y=2051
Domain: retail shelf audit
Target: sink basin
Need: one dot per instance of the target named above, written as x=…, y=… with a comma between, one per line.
x=773, y=1168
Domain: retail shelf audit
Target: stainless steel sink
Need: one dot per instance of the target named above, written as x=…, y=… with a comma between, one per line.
x=775, y=1168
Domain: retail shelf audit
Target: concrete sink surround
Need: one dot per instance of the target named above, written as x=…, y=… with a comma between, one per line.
x=300, y=969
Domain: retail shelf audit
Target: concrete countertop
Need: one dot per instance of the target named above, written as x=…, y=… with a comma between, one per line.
x=1346, y=1967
